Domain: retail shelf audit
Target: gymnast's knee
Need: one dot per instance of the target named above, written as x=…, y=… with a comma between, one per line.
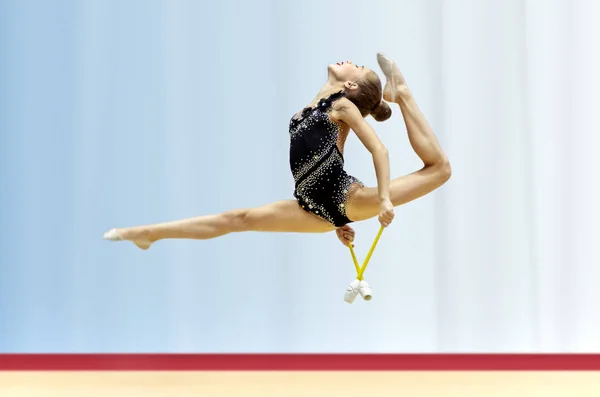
x=237, y=220
x=445, y=170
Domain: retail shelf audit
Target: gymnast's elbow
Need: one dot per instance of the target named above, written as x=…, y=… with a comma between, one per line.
x=380, y=151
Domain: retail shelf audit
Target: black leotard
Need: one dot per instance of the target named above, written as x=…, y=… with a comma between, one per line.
x=322, y=186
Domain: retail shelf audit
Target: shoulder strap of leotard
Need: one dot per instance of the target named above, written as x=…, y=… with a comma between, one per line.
x=325, y=103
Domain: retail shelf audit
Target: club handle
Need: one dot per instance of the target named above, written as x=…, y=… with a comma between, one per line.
x=368, y=258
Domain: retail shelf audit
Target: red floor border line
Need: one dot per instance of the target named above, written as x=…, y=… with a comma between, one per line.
x=299, y=362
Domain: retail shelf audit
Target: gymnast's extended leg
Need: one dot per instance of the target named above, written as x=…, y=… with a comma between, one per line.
x=281, y=216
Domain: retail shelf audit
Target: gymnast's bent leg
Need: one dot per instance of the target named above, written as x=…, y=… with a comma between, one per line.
x=435, y=172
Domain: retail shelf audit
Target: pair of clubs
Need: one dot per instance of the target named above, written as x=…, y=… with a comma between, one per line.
x=360, y=286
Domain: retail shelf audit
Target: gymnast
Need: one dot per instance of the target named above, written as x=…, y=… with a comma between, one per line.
x=326, y=197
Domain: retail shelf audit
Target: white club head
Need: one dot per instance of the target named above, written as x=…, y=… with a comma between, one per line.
x=352, y=291
x=365, y=290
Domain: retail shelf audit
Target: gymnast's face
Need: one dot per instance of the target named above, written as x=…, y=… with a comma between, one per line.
x=347, y=73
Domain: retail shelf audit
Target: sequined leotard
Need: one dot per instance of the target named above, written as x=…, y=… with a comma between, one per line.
x=322, y=187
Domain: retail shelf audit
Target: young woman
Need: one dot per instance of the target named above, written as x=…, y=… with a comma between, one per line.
x=326, y=197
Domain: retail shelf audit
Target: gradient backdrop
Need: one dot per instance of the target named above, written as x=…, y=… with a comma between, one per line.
x=123, y=112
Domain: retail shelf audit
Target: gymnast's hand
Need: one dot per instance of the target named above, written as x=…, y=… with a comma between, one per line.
x=386, y=212
x=345, y=234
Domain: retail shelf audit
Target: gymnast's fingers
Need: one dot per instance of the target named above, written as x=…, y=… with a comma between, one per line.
x=349, y=235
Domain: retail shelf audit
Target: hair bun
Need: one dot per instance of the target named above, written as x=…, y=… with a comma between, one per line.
x=381, y=111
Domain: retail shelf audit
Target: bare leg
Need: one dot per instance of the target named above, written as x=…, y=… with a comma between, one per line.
x=436, y=170
x=281, y=216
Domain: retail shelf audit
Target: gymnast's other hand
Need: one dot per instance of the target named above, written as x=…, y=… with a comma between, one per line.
x=345, y=234
x=386, y=212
